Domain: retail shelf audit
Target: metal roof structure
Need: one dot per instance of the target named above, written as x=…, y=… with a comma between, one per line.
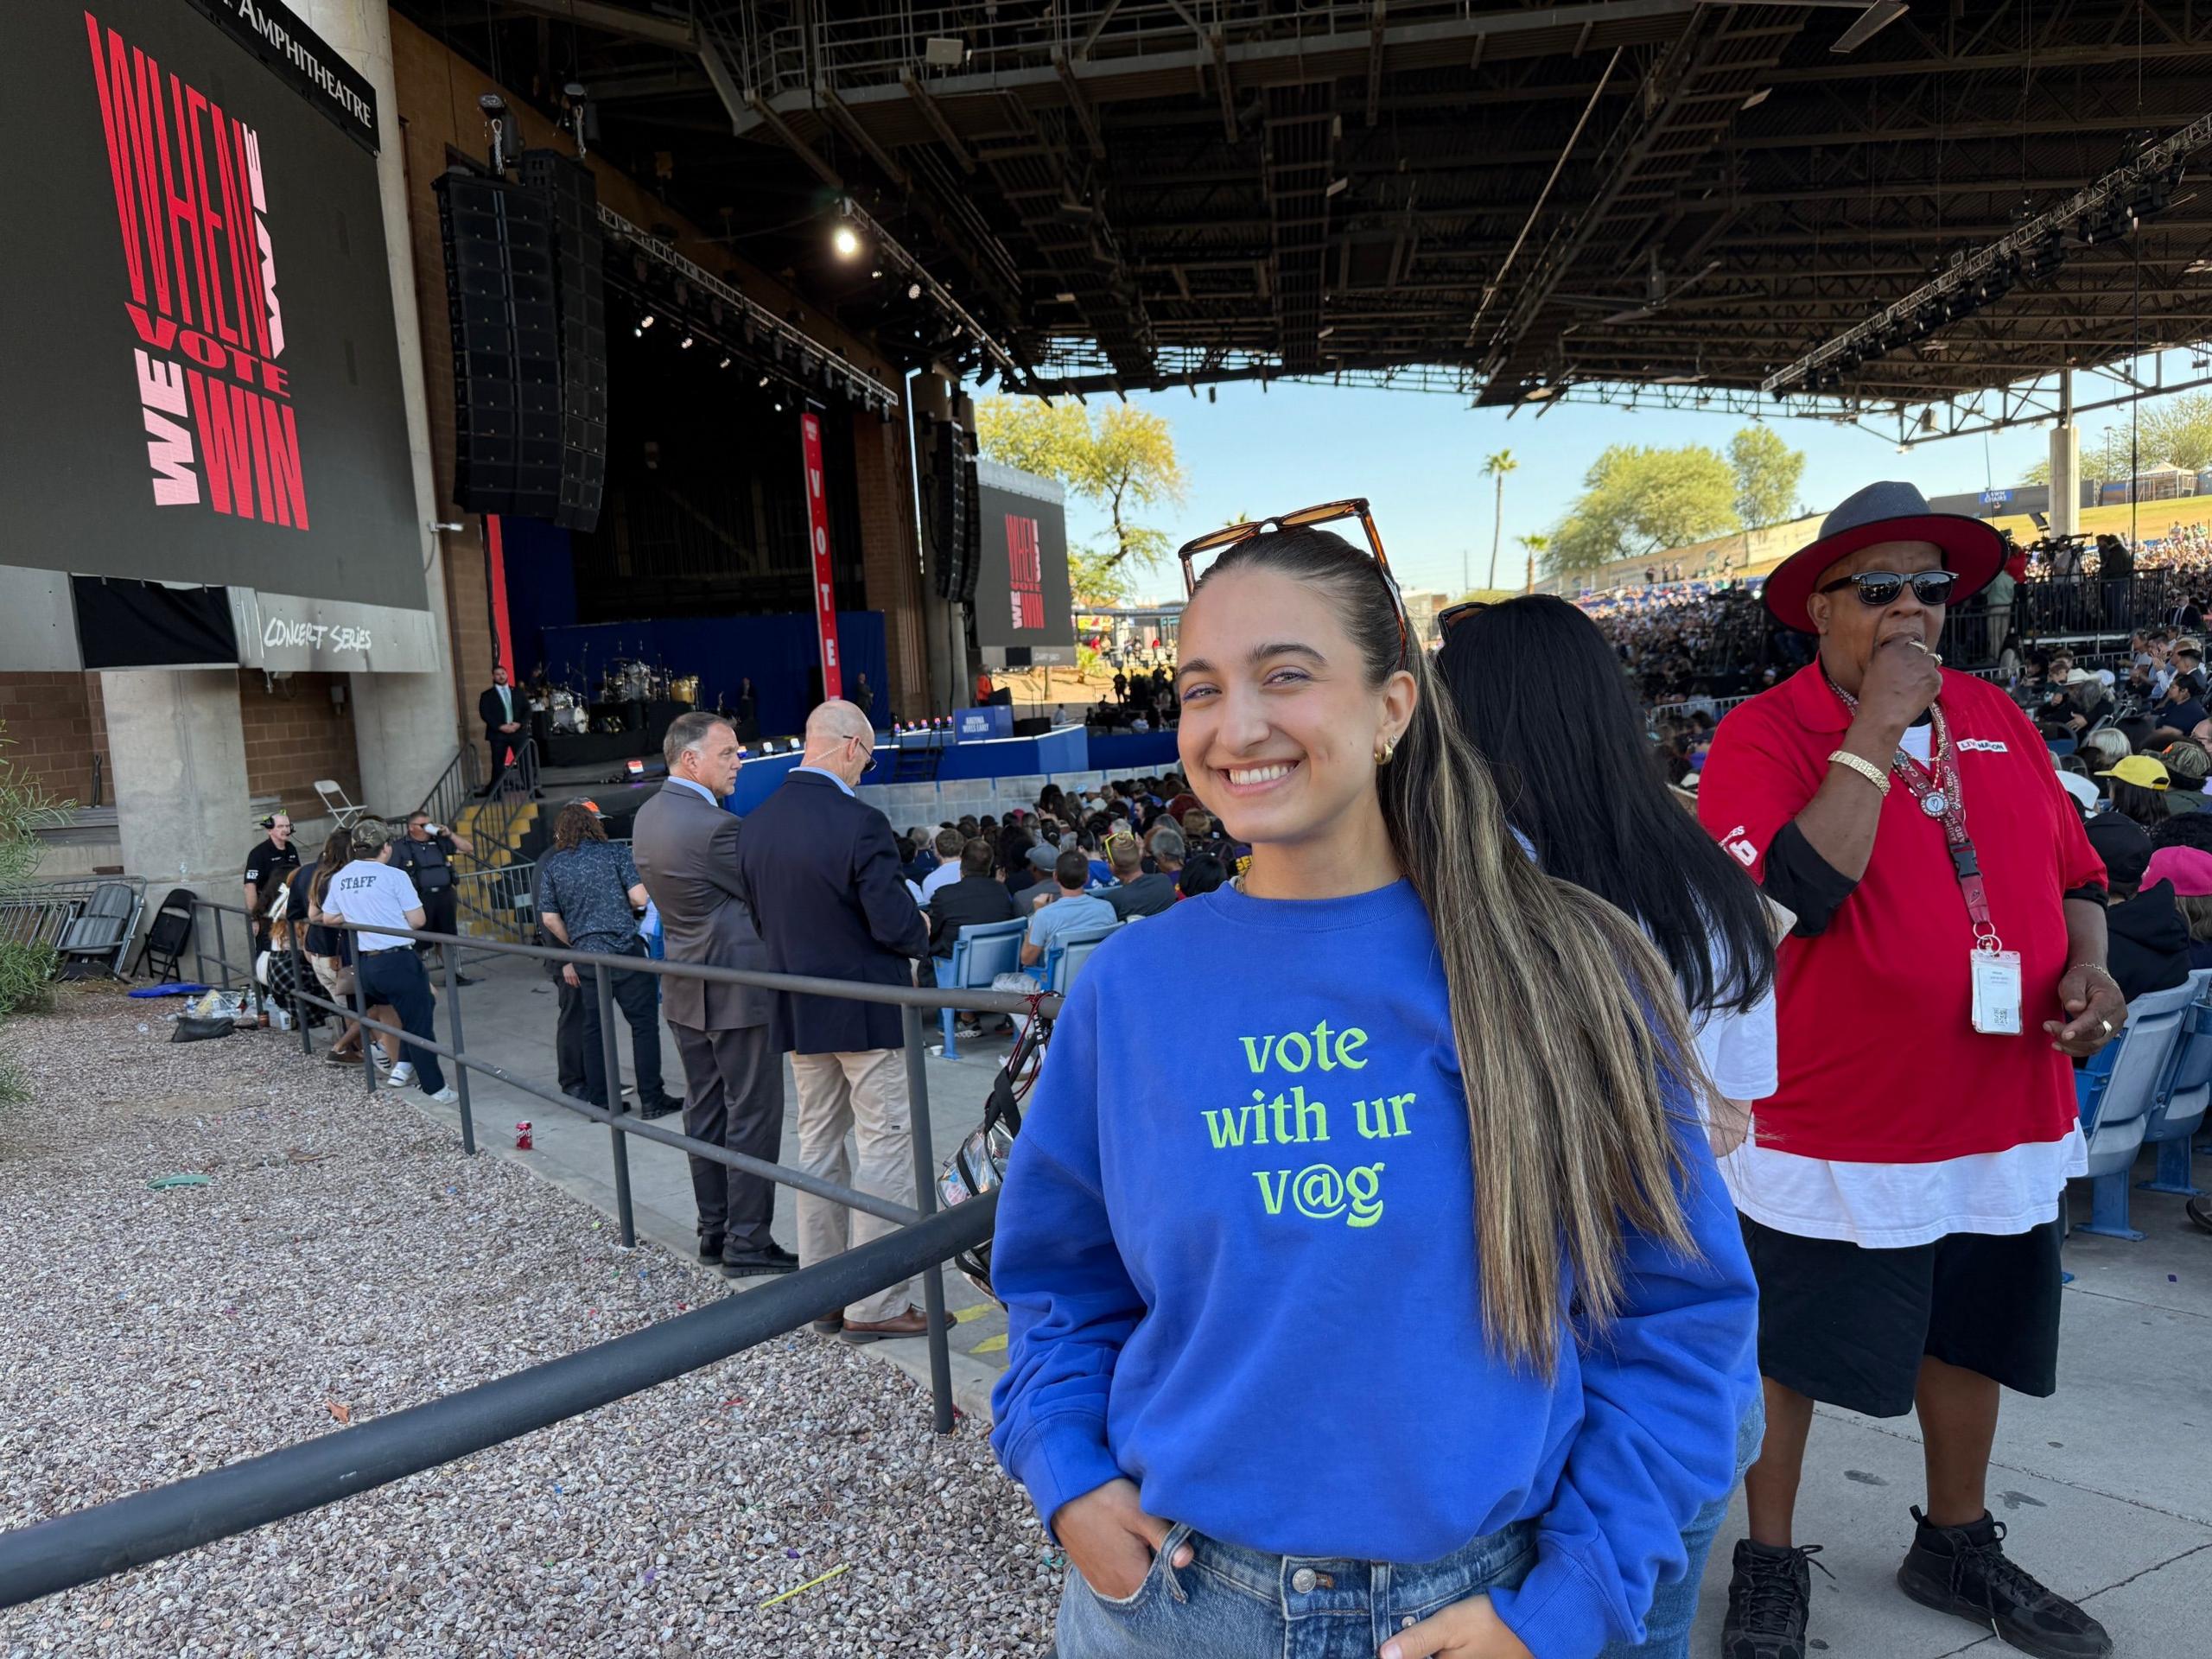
x=1665, y=201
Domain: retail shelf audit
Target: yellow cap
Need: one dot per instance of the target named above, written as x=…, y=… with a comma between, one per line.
x=2140, y=769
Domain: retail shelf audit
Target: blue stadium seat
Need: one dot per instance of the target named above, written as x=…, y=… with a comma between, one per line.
x=980, y=952
x=2115, y=1093
x=2060, y=745
x=1069, y=951
x=2178, y=1111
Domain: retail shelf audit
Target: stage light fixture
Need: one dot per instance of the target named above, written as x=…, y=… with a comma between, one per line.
x=646, y=321
x=723, y=364
x=913, y=290
x=687, y=342
x=846, y=240
x=764, y=383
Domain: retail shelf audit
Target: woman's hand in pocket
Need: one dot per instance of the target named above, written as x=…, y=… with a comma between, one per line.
x=1111, y=1539
x=1465, y=1629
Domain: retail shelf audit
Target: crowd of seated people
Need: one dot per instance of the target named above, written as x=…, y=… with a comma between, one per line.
x=1134, y=845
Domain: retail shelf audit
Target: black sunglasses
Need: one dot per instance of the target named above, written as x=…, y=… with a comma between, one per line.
x=1880, y=587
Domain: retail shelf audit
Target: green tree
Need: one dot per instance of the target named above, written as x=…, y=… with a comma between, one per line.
x=1097, y=577
x=2037, y=474
x=1496, y=467
x=1122, y=459
x=1638, y=501
x=1768, y=472
x=2178, y=429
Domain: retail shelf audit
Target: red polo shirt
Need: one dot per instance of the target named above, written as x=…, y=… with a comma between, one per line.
x=1880, y=1062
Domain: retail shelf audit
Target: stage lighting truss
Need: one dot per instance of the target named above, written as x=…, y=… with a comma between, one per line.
x=728, y=317
x=892, y=255
x=2104, y=210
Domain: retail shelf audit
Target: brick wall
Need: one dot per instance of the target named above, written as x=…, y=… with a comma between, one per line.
x=55, y=726
x=295, y=734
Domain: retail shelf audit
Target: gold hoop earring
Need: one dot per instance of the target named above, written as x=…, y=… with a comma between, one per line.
x=1385, y=750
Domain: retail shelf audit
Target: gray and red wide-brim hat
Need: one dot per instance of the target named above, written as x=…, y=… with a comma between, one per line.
x=1891, y=511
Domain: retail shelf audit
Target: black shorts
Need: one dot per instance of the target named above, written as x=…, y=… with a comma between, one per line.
x=1848, y=1326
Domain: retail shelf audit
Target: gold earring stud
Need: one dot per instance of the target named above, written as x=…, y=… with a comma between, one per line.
x=1384, y=752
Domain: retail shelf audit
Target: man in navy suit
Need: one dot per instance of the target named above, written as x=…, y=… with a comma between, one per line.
x=819, y=871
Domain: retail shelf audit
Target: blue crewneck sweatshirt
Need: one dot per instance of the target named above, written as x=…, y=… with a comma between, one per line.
x=1236, y=1249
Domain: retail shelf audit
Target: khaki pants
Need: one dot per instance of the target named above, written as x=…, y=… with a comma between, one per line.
x=864, y=1092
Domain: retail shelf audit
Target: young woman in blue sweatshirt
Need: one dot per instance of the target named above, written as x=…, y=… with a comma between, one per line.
x=1372, y=1290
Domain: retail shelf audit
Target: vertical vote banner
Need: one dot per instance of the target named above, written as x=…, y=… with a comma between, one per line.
x=817, y=535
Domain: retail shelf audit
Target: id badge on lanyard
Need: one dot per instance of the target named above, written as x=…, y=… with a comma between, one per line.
x=1993, y=971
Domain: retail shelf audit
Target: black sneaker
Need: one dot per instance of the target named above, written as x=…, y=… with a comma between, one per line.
x=1964, y=1570
x=710, y=1247
x=661, y=1107
x=1770, y=1596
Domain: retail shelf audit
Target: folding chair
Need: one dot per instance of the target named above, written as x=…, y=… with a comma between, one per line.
x=2178, y=1111
x=166, y=938
x=342, y=811
x=2115, y=1093
x=1069, y=951
x=980, y=952
x=100, y=937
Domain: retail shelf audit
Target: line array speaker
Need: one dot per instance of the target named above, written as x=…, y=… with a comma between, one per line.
x=506, y=349
x=971, y=491
x=579, y=300
x=950, y=471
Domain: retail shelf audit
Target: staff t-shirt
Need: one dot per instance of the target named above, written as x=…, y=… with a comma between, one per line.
x=373, y=894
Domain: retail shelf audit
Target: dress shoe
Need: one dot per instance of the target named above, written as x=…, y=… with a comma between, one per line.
x=754, y=1264
x=661, y=1108
x=710, y=1247
x=913, y=1323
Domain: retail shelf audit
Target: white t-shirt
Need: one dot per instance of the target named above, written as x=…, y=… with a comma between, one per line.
x=373, y=894
x=944, y=875
x=1894, y=1207
x=1738, y=1049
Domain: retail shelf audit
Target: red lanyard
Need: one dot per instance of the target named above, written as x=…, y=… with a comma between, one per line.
x=1935, y=789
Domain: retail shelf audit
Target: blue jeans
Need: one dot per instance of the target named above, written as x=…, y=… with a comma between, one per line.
x=397, y=977
x=1234, y=1603
x=1673, y=1604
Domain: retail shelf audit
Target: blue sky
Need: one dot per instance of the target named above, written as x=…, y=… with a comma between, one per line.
x=1418, y=457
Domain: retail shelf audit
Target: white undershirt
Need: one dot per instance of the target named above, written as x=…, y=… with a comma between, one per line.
x=1893, y=1206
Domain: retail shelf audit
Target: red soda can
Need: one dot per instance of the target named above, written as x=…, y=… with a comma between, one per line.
x=522, y=1137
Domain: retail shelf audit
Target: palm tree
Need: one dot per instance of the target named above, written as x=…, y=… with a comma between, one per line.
x=1497, y=466
x=1536, y=541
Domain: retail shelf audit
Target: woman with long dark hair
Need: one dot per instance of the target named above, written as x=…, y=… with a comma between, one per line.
x=1540, y=696
x=1377, y=1288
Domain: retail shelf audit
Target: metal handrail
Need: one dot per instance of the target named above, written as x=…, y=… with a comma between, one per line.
x=621, y=1123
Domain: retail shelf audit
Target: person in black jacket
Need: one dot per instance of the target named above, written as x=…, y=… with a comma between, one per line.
x=2147, y=938
x=502, y=713
x=819, y=871
x=976, y=899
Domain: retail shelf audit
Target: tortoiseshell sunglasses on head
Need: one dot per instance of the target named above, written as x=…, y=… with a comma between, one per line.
x=1228, y=536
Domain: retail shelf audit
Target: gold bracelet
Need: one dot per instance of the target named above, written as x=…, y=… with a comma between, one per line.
x=1865, y=768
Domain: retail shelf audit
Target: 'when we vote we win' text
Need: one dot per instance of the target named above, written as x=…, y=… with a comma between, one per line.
x=1293, y=1116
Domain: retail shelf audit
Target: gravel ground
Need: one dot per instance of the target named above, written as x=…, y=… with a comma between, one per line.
x=347, y=1259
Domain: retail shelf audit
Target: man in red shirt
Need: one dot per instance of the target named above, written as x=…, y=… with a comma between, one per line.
x=1900, y=1190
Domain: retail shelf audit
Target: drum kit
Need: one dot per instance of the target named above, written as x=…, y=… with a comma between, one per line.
x=608, y=706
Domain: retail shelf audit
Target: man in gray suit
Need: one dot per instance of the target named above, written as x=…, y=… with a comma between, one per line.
x=685, y=845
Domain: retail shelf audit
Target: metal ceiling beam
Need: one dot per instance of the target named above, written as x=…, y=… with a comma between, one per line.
x=1078, y=105
x=918, y=95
